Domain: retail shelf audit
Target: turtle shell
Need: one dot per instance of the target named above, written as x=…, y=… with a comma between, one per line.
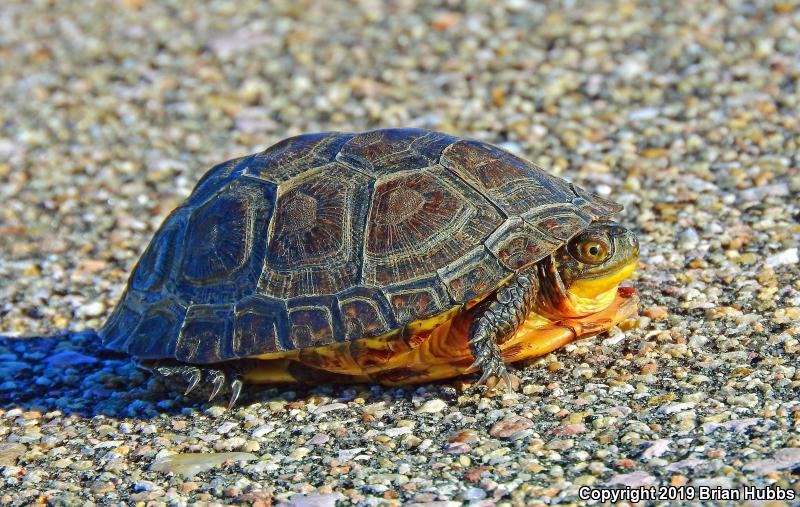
x=333, y=237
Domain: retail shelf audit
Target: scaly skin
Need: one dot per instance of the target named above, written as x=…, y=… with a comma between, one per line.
x=497, y=318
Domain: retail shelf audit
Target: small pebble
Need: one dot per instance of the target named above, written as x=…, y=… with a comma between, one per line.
x=432, y=407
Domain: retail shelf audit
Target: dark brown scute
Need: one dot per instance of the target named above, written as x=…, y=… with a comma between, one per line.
x=314, y=321
x=261, y=324
x=418, y=299
x=295, y=155
x=316, y=237
x=451, y=221
x=206, y=335
x=473, y=275
x=511, y=182
x=382, y=152
x=517, y=244
x=365, y=312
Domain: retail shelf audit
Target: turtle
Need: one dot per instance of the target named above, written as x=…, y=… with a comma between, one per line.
x=391, y=256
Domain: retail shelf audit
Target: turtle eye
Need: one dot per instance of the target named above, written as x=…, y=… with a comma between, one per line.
x=591, y=250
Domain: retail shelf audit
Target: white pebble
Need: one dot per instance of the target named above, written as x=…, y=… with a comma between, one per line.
x=226, y=427
x=788, y=256
x=432, y=407
x=95, y=309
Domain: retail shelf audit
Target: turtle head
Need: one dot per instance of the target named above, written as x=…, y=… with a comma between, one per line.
x=582, y=277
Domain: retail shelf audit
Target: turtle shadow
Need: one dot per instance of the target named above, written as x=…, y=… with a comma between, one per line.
x=72, y=373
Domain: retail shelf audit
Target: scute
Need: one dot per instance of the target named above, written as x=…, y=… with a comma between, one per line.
x=517, y=244
x=593, y=204
x=473, y=275
x=316, y=237
x=418, y=299
x=118, y=329
x=436, y=220
x=365, y=313
x=261, y=324
x=561, y=224
x=314, y=321
x=295, y=155
x=334, y=237
x=219, y=236
x=216, y=178
x=515, y=184
x=163, y=320
x=223, y=252
x=206, y=334
x=382, y=152
x=155, y=265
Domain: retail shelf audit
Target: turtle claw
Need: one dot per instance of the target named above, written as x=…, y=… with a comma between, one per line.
x=193, y=375
x=488, y=358
x=217, y=379
x=507, y=380
x=236, y=389
x=486, y=374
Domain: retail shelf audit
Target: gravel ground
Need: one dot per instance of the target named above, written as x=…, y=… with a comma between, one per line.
x=686, y=112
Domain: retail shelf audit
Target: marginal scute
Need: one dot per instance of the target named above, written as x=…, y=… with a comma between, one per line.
x=365, y=313
x=316, y=237
x=118, y=329
x=156, y=334
x=261, y=326
x=562, y=227
x=418, y=299
x=295, y=155
x=475, y=274
x=559, y=221
x=518, y=244
x=382, y=152
x=206, y=335
x=593, y=204
x=314, y=321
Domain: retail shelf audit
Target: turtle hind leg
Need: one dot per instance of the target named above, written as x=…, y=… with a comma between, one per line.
x=496, y=319
x=218, y=376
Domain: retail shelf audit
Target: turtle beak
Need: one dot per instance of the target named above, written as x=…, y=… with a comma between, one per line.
x=625, y=241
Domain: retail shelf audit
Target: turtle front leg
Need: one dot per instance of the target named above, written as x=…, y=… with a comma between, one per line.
x=217, y=377
x=495, y=319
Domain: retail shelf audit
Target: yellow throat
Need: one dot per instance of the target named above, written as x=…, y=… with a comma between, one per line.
x=596, y=294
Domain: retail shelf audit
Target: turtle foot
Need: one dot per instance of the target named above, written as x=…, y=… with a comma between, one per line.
x=490, y=361
x=217, y=378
